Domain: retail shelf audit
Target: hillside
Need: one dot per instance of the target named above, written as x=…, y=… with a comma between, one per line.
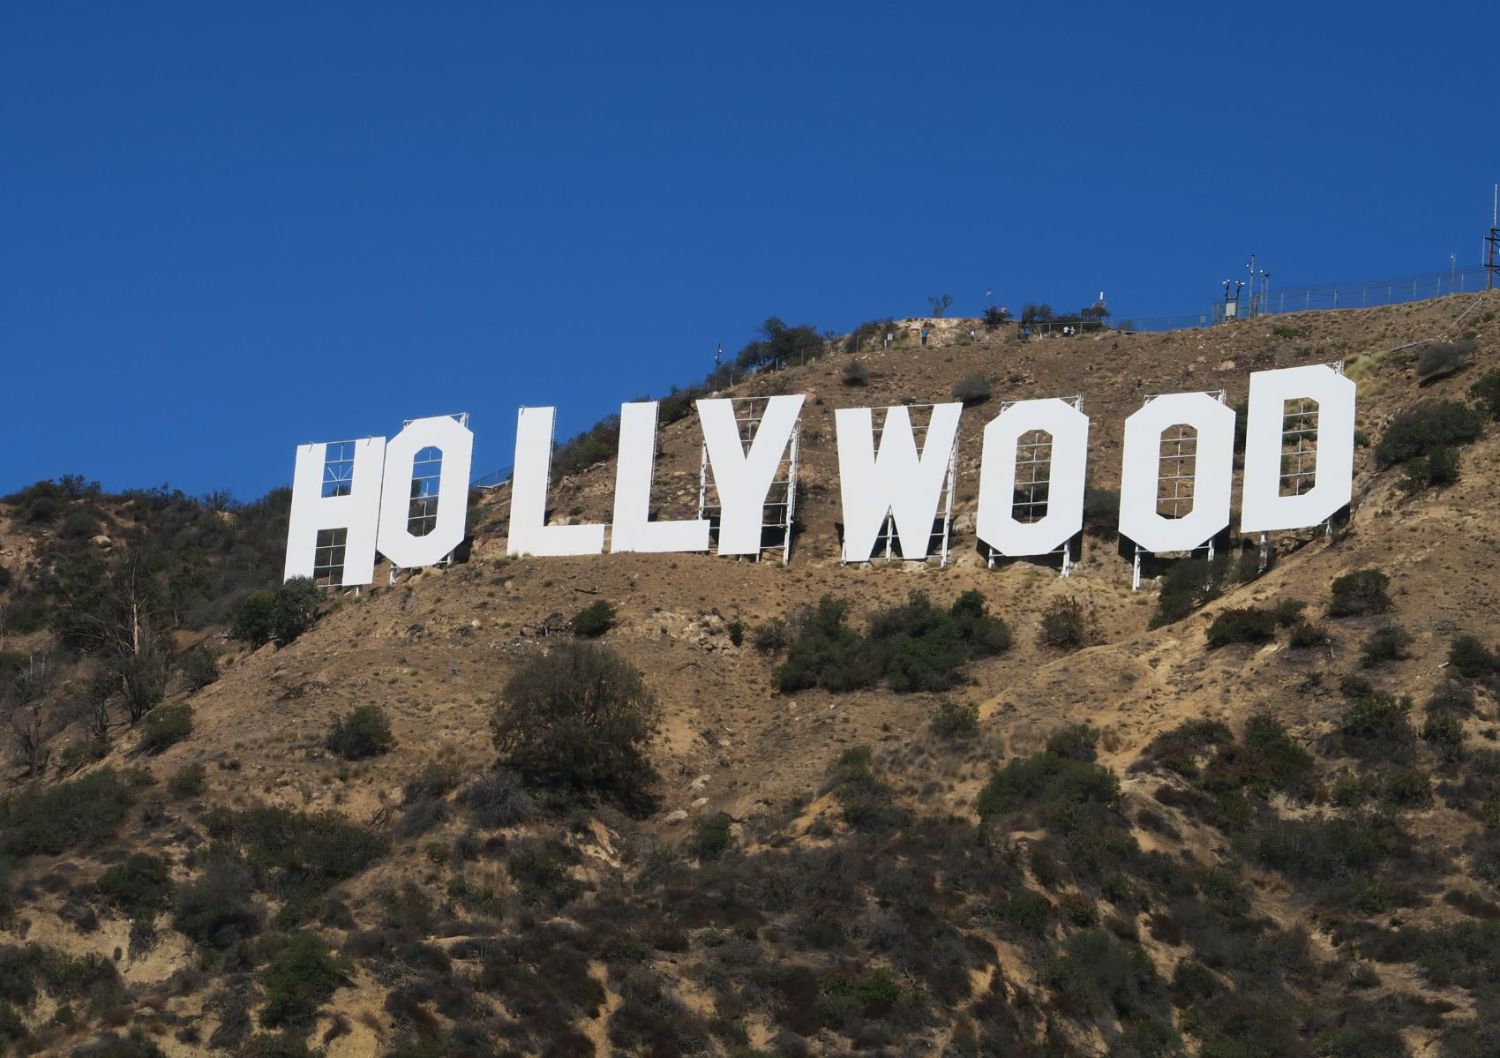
x=1140, y=845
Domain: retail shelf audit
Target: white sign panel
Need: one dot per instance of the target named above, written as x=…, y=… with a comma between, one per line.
x=1213, y=472
x=996, y=524
x=896, y=481
x=633, y=529
x=529, y=532
x=456, y=443
x=1262, y=507
x=743, y=479
x=366, y=488
x=355, y=507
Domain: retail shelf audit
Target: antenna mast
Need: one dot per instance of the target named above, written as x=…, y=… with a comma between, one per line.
x=1492, y=242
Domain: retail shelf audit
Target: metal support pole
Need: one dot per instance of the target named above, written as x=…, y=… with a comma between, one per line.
x=948, y=504
x=791, y=494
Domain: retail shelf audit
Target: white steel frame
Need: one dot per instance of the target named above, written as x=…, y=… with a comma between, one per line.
x=781, y=497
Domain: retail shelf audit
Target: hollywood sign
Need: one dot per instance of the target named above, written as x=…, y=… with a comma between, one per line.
x=358, y=498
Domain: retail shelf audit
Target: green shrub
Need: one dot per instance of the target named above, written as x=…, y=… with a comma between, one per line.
x=1247, y=625
x=1066, y=625
x=1266, y=758
x=1386, y=643
x=165, y=726
x=971, y=389
x=867, y=803
x=299, y=980
x=1100, y=974
x=593, y=620
x=84, y=812
x=1190, y=584
x=300, y=856
x=772, y=637
x=435, y=780
x=215, y=909
x=1441, y=359
x=364, y=732
x=822, y=651
x=1028, y=911
x=868, y=995
x=925, y=649
x=855, y=374
x=540, y=870
x=1288, y=612
x=1305, y=635
x=1379, y=718
x=1417, y=431
x=277, y=616
x=1045, y=779
x=1438, y=468
x=914, y=646
x=1179, y=748
x=1487, y=392
x=188, y=781
x=142, y=884
x=1359, y=593
x=1322, y=849
x=578, y=718
x=953, y=721
x=1472, y=659
x=1444, y=732
x=497, y=800
x=1407, y=787
x=712, y=836
x=1075, y=742
x=198, y=667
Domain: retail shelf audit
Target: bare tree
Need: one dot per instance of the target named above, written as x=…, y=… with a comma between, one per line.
x=27, y=691
x=34, y=753
x=940, y=305
x=122, y=628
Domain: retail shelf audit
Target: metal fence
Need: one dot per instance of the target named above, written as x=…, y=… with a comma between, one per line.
x=1364, y=294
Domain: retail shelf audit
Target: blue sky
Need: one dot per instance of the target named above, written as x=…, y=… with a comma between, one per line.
x=226, y=230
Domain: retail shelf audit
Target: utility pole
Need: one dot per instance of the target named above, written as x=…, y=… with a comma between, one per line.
x=1251, y=269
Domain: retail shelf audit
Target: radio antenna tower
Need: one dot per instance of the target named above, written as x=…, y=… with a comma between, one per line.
x=1492, y=242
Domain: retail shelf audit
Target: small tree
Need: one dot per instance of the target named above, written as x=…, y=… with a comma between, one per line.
x=593, y=620
x=994, y=317
x=365, y=732
x=1359, y=593
x=278, y=616
x=940, y=304
x=1066, y=625
x=578, y=718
